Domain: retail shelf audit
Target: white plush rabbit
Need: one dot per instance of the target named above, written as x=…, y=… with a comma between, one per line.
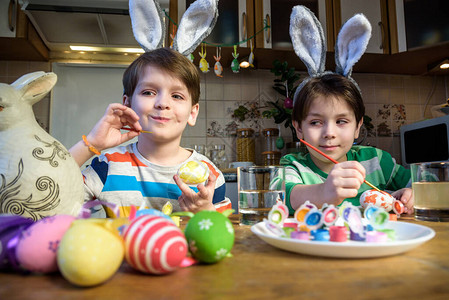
x=38, y=176
x=309, y=43
x=196, y=24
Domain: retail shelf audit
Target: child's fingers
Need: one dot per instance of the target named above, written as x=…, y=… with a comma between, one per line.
x=185, y=189
x=347, y=192
x=204, y=191
x=211, y=180
x=352, y=165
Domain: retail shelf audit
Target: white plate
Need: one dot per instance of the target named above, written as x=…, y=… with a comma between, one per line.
x=408, y=235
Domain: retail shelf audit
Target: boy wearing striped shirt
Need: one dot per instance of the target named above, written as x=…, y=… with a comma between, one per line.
x=161, y=95
x=328, y=113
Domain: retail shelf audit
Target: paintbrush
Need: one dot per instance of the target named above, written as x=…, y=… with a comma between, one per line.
x=132, y=129
x=334, y=161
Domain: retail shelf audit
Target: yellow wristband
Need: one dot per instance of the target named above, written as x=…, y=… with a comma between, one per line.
x=91, y=148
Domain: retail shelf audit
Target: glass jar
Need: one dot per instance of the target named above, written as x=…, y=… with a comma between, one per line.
x=270, y=136
x=201, y=149
x=246, y=147
x=218, y=156
x=271, y=158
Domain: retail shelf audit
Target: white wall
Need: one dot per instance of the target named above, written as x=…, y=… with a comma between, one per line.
x=80, y=98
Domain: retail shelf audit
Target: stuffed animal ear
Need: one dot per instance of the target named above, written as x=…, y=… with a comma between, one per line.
x=147, y=23
x=351, y=43
x=308, y=39
x=196, y=24
x=34, y=86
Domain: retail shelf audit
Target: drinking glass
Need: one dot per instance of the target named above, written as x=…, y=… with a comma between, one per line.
x=259, y=187
x=430, y=183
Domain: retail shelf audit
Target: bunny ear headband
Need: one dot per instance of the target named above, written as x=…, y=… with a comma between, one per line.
x=309, y=43
x=196, y=24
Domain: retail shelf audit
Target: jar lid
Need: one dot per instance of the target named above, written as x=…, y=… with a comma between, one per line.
x=272, y=153
x=245, y=132
x=270, y=132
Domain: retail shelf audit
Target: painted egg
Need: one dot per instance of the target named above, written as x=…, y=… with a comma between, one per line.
x=10, y=228
x=154, y=245
x=210, y=236
x=193, y=172
x=38, y=245
x=376, y=198
x=90, y=252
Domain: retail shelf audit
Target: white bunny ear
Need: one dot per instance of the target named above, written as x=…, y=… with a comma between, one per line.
x=34, y=86
x=147, y=23
x=196, y=24
x=308, y=39
x=351, y=43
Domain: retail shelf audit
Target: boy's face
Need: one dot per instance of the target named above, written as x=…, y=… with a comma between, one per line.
x=330, y=125
x=163, y=104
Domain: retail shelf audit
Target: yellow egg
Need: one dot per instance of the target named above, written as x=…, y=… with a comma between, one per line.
x=90, y=252
x=193, y=172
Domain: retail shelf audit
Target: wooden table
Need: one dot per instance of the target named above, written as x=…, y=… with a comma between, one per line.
x=260, y=271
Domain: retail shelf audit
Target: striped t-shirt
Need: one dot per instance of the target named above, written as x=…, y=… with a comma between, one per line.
x=381, y=170
x=122, y=176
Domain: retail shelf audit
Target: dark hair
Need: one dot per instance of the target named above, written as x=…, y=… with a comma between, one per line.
x=169, y=61
x=328, y=85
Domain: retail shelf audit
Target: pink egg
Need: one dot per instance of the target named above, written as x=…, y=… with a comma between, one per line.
x=38, y=244
x=154, y=245
x=378, y=199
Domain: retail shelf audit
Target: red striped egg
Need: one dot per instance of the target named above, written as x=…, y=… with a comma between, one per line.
x=154, y=245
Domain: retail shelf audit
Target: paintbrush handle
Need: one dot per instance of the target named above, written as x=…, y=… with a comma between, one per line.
x=319, y=151
x=132, y=129
x=333, y=160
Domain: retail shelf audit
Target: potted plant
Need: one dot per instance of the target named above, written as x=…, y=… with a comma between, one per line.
x=285, y=84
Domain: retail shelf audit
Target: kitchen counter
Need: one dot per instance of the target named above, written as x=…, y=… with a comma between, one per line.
x=260, y=271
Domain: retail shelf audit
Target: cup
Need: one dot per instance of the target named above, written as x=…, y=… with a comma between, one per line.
x=430, y=183
x=259, y=188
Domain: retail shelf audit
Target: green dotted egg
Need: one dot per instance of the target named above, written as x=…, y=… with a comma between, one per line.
x=210, y=236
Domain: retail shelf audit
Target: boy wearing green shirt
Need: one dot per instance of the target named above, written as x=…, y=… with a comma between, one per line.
x=328, y=113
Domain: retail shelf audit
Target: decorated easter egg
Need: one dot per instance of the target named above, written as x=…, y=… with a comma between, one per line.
x=377, y=198
x=193, y=172
x=38, y=245
x=210, y=236
x=11, y=227
x=154, y=245
x=90, y=252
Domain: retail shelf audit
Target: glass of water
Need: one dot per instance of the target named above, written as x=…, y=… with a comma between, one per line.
x=430, y=183
x=259, y=188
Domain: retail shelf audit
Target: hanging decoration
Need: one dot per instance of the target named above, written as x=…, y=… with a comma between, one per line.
x=251, y=55
x=172, y=35
x=235, y=66
x=204, y=65
x=218, y=68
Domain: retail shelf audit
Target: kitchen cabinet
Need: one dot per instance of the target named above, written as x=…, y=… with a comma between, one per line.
x=376, y=13
x=240, y=19
x=418, y=24
x=235, y=22
x=18, y=38
x=276, y=14
x=386, y=52
x=8, y=20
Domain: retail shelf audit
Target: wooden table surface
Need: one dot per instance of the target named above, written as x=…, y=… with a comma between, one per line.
x=260, y=271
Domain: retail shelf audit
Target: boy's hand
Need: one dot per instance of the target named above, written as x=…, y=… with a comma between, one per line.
x=405, y=195
x=343, y=181
x=106, y=133
x=195, y=202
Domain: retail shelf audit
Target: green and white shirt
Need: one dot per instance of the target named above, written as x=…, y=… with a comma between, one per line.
x=381, y=170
